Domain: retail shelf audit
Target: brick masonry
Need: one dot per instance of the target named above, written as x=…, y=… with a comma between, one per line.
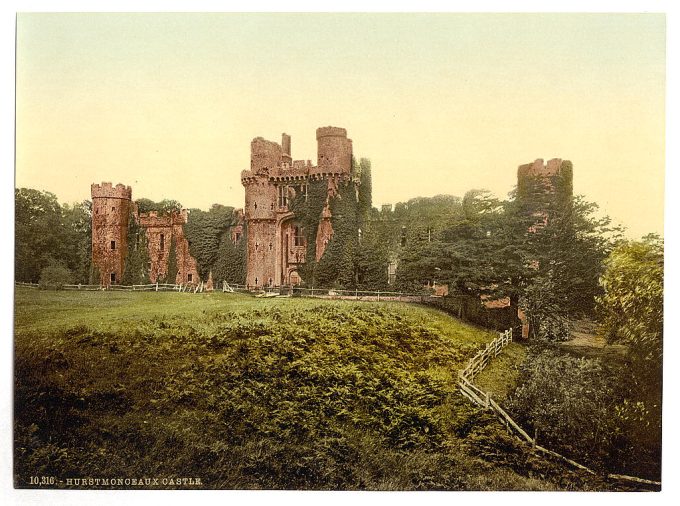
x=112, y=208
x=276, y=245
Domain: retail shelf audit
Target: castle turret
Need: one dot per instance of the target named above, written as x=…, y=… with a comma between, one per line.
x=542, y=186
x=334, y=151
x=110, y=217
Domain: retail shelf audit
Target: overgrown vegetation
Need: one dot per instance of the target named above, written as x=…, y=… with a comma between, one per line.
x=588, y=410
x=49, y=234
x=253, y=393
x=54, y=277
x=356, y=256
x=210, y=243
x=137, y=259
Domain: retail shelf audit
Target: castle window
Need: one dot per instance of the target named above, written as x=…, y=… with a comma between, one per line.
x=271, y=246
x=283, y=196
x=113, y=245
x=255, y=205
x=190, y=277
x=303, y=189
x=271, y=281
x=255, y=281
x=237, y=236
x=113, y=277
x=113, y=208
x=298, y=236
x=162, y=242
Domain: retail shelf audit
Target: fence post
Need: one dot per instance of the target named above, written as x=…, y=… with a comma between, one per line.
x=156, y=285
x=378, y=296
x=533, y=444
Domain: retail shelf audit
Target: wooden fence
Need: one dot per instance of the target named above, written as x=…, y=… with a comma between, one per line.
x=151, y=287
x=364, y=295
x=481, y=398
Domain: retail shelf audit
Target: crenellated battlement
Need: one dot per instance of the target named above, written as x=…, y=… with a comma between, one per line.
x=107, y=190
x=539, y=169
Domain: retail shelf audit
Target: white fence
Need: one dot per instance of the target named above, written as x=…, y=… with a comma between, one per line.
x=286, y=291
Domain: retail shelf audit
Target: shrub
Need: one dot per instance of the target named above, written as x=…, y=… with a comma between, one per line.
x=55, y=277
x=568, y=400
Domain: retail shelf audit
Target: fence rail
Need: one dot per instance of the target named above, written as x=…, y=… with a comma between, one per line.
x=284, y=291
x=481, y=398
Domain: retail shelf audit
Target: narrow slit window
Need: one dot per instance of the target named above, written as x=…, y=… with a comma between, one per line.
x=113, y=245
x=162, y=242
x=190, y=277
x=113, y=277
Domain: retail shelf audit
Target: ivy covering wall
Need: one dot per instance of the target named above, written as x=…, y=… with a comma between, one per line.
x=209, y=237
x=137, y=259
x=356, y=256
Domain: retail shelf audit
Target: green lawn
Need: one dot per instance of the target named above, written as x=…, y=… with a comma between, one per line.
x=248, y=392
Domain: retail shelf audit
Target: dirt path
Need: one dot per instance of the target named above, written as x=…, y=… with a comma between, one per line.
x=585, y=341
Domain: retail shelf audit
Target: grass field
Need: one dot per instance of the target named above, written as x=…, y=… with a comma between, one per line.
x=242, y=392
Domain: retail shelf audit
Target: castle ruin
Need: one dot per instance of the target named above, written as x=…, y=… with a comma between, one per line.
x=112, y=209
x=276, y=241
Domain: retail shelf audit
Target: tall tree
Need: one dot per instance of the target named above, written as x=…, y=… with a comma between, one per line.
x=631, y=308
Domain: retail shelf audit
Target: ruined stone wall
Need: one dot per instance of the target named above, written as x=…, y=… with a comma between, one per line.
x=160, y=232
x=264, y=154
x=271, y=250
x=110, y=217
x=334, y=150
x=261, y=253
x=545, y=177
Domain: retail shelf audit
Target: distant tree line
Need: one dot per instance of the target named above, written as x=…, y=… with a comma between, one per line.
x=51, y=235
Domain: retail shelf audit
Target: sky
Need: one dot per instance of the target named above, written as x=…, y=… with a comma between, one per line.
x=440, y=103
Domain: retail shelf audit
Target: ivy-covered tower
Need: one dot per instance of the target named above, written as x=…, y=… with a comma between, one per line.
x=277, y=238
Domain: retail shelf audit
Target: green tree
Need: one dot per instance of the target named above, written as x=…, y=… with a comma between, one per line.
x=76, y=238
x=231, y=261
x=47, y=233
x=165, y=206
x=54, y=277
x=631, y=308
x=209, y=237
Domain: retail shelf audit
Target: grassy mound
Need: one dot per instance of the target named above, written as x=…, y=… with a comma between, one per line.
x=256, y=394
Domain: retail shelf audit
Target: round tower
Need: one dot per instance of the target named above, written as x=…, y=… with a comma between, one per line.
x=110, y=217
x=334, y=151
